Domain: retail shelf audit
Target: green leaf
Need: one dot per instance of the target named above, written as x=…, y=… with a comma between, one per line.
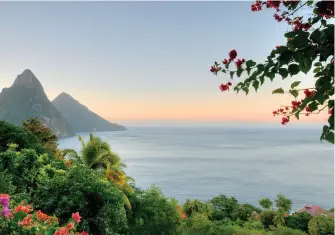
x=293, y=69
x=316, y=36
x=255, y=84
x=281, y=49
x=278, y=91
x=223, y=70
x=295, y=93
x=227, y=65
x=232, y=74
x=330, y=137
x=297, y=115
x=248, y=70
x=260, y=67
x=330, y=104
x=261, y=78
x=313, y=106
x=246, y=90
x=331, y=121
x=318, y=64
x=283, y=72
x=316, y=70
x=239, y=72
x=271, y=75
x=291, y=34
x=295, y=84
x=309, y=3
x=285, y=57
x=250, y=63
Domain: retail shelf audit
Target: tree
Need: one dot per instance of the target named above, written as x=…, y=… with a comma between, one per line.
x=279, y=219
x=266, y=203
x=309, y=45
x=43, y=133
x=97, y=155
x=299, y=221
x=195, y=206
x=223, y=207
x=267, y=217
x=11, y=134
x=244, y=211
x=321, y=225
x=283, y=203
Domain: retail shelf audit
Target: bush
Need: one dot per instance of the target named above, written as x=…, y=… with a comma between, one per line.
x=223, y=207
x=10, y=134
x=253, y=225
x=80, y=189
x=286, y=231
x=299, y=221
x=321, y=225
x=152, y=213
x=244, y=211
x=195, y=206
x=267, y=217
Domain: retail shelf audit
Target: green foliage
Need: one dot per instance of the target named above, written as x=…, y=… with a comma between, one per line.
x=253, y=225
x=223, y=207
x=10, y=134
x=321, y=225
x=195, y=206
x=43, y=133
x=152, y=213
x=198, y=224
x=243, y=212
x=266, y=203
x=286, y=231
x=299, y=221
x=6, y=183
x=267, y=217
x=283, y=203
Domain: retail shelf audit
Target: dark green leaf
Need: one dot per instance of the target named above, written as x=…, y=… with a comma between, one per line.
x=239, y=72
x=330, y=104
x=285, y=57
x=278, y=91
x=250, y=63
x=309, y=3
x=318, y=64
x=291, y=34
x=316, y=70
x=293, y=69
x=305, y=64
x=313, y=106
x=260, y=67
x=283, y=72
x=331, y=121
x=271, y=75
x=261, y=78
x=295, y=93
x=232, y=74
x=255, y=84
x=297, y=115
x=330, y=137
x=246, y=90
x=316, y=36
x=227, y=65
x=248, y=71
x=295, y=84
x=223, y=70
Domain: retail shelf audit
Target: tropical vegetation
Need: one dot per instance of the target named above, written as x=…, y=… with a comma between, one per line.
x=41, y=187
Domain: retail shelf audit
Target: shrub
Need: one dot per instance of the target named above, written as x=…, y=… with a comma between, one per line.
x=321, y=225
x=299, y=221
x=223, y=207
x=80, y=189
x=152, y=213
x=10, y=133
x=267, y=217
x=286, y=231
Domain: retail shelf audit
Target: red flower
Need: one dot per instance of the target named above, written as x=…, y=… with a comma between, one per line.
x=281, y=110
x=286, y=108
x=224, y=87
x=306, y=114
x=239, y=63
x=256, y=7
x=183, y=215
x=277, y=47
x=308, y=110
x=308, y=93
x=70, y=226
x=76, y=217
x=284, y=120
x=84, y=233
x=41, y=216
x=225, y=61
x=307, y=26
x=330, y=111
x=273, y=4
x=213, y=70
x=232, y=54
x=62, y=231
x=229, y=83
x=26, y=209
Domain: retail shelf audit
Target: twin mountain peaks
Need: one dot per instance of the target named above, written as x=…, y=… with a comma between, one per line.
x=65, y=116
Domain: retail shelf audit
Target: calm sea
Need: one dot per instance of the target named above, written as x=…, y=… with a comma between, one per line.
x=248, y=162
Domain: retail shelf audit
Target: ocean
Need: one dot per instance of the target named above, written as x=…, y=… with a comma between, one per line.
x=248, y=162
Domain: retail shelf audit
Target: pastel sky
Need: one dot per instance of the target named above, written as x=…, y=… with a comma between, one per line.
x=132, y=61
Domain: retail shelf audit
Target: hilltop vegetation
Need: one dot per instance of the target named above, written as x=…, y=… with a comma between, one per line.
x=42, y=187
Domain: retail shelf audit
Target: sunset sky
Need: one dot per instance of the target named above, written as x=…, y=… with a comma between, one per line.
x=135, y=61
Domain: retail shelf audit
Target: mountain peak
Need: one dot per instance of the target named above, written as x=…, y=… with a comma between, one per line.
x=29, y=80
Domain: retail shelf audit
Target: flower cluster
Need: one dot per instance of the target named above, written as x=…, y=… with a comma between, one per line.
x=181, y=212
x=309, y=93
x=256, y=7
x=4, y=200
x=298, y=25
x=225, y=87
x=25, y=218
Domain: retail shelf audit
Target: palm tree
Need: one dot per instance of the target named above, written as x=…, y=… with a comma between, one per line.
x=279, y=219
x=97, y=155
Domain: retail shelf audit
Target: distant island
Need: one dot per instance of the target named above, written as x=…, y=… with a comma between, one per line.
x=80, y=117
x=64, y=116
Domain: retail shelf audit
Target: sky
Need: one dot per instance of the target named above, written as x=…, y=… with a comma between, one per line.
x=144, y=61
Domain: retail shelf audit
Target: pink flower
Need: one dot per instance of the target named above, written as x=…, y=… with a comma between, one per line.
x=76, y=217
